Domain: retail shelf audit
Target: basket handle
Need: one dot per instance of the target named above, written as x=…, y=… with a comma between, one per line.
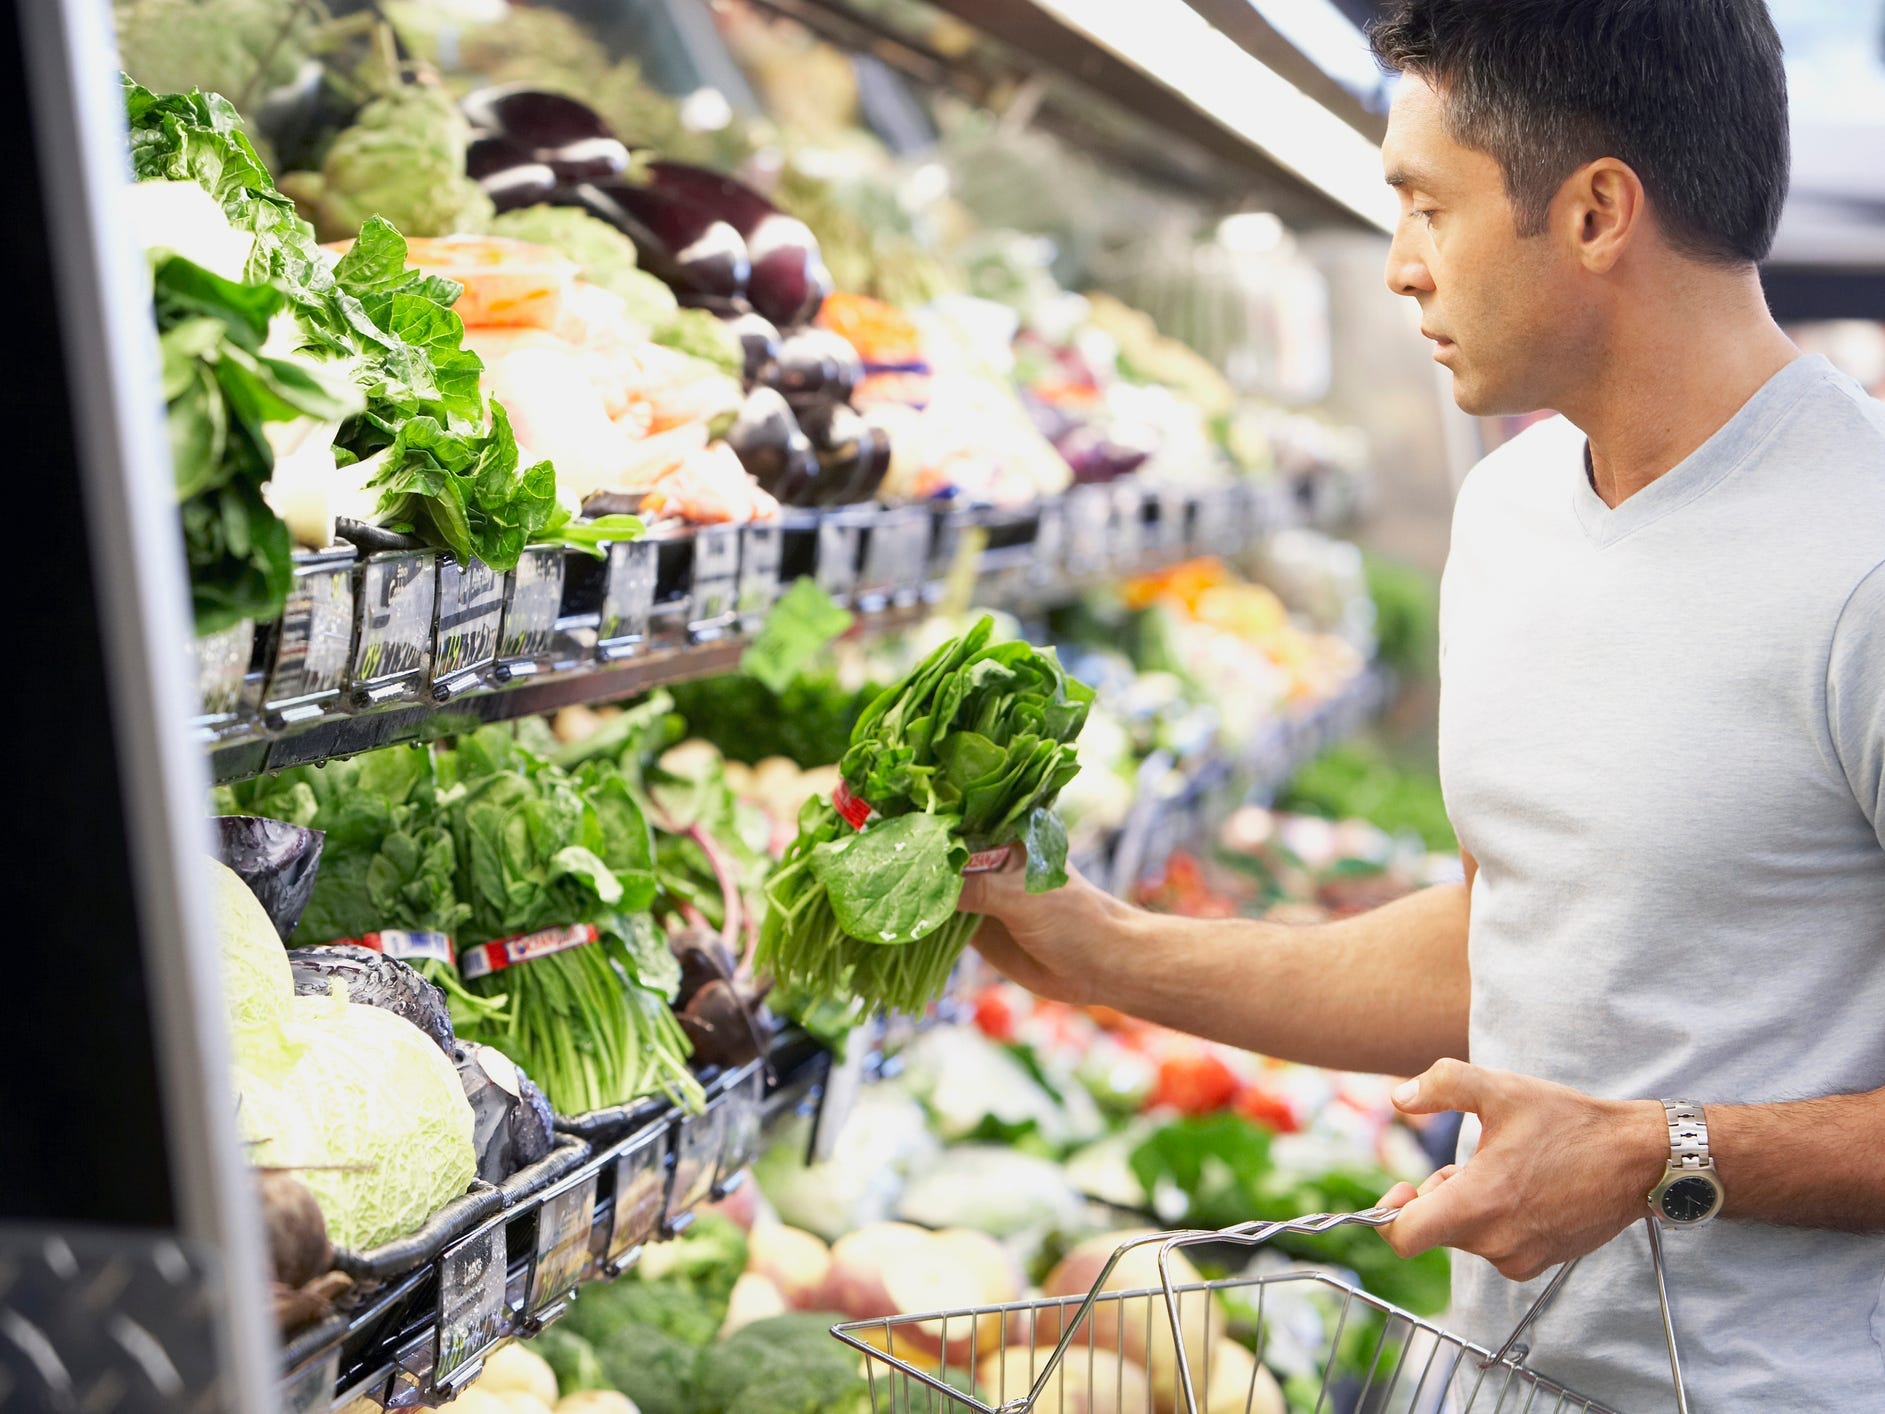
x=1255, y=1234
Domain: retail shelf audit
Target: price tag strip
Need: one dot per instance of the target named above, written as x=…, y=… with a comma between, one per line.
x=470, y=607
x=840, y=537
x=312, y=640
x=696, y=1166
x=761, y=547
x=564, y=1220
x=716, y=581
x=739, y=1145
x=896, y=558
x=1088, y=511
x=628, y=599
x=311, y=1391
x=1050, y=543
x=1125, y=531
x=641, y=1199
x=533, y=593
x=223, y=690
x=397, y=593
x=471, y=1306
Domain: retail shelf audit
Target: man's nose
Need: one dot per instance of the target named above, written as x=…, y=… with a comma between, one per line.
x=1407, y=273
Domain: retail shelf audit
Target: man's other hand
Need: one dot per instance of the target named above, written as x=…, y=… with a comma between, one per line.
x=1557, y=1173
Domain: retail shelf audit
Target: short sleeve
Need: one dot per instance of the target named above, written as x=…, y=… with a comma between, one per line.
x=1855, y=695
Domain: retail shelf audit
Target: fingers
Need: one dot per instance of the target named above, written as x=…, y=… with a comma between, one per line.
x=985, y=892
x=1447, y=1085
x=1436, y=1178
x=1447, y=1216
x=1399, y=1196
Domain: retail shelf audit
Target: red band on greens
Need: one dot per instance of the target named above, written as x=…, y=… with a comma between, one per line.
x=501, y=953
x=857, y=813
x=407, y=946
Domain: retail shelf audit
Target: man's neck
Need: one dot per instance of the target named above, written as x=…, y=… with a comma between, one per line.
x=1670, y=382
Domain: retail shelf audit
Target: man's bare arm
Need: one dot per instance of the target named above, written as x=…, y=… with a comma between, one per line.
x=1385, y=991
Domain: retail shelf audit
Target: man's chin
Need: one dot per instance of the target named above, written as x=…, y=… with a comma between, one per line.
x=1476, y=399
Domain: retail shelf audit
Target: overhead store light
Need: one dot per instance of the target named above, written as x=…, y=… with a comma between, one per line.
x=1172, y=43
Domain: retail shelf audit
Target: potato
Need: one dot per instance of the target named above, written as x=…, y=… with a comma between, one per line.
x=517, y=1401
x=895, y=1269
x=793, y=1260
x=754, y=1299
x=596, y=1401
x=861, y=1261
x=476, y=1400
x=1139, y=1329
x=1237, y=1384
x=1088, y=1381
x=513, y=1368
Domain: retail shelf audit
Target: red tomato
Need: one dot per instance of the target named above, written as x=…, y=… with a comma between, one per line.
x=1267, y=1107
x=1195, y=1084
x=994, y=1016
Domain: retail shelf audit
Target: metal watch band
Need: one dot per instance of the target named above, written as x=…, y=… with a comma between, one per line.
x=1688, y=1135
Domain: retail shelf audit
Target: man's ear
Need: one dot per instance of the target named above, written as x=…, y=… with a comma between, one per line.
x=1600, y=210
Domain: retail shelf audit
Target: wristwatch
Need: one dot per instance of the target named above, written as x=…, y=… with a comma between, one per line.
x=1690, y=1192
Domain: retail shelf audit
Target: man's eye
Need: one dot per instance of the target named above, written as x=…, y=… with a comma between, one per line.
x=1424, y=214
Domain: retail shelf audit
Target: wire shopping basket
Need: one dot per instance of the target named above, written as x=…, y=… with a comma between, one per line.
x=1161, y=1349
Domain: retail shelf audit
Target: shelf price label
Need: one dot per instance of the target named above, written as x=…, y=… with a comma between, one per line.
x=564, y=1220
x=716, y=580
x=533, y=593
x=838, y=544
x=696, y=1165
x=312, y=639
x=397, y=592
x=1050, y=540
x=896, y=557
x=1125, y=532
x=760, y=549
x=471, y=1309
x=739, y=1144
x=1089, y=515
x=470, y=605
x=641, y=1198
x=628, y=598
x=312, y=1390
x=222, y=666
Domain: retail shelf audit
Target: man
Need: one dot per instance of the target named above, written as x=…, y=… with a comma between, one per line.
x=1662, y=735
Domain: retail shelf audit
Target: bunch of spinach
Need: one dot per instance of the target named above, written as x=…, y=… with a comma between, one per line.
x=966, y=754
x=446, y=463
x=536, y=849
x=389, y=860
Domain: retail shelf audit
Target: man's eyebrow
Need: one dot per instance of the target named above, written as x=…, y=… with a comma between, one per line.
x=1401, y=175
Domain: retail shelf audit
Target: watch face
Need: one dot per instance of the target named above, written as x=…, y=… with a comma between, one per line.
x=1688, y=1200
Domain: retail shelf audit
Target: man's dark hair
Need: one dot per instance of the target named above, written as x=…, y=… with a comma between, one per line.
x=1692, y=94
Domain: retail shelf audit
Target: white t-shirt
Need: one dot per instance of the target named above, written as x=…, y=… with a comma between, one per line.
x=1662, y=735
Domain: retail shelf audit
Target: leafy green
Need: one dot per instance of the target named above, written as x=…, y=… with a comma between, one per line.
x=445, y=461
x=696, y=332
x=1406, y=616
x=1358, y=781
x=809, y=720
x=783, y=1365
x=1223, y=1166
x=402, y=158
x=966, y=754
x=801, y=625
x=574, y=1360
x=220, y=388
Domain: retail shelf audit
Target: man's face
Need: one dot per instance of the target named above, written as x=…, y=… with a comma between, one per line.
x=1501, y=308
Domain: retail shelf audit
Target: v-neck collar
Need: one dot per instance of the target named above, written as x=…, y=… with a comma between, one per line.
x=1731, y=445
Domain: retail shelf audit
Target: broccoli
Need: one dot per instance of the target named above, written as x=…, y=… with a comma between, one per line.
x=574, y=1359
x=652, y=1367
x=783, y=1365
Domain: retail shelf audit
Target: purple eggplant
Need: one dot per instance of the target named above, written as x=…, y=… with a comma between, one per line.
x=566, y=135
x=509, y=172
x=769, y=443
x=789, y=280
x=677, y=241
x=758, y=336
x=853, y=453
x=816, y=365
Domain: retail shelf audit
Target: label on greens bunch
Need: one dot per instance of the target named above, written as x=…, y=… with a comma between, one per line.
x=471, y=1306
x=563, y=1226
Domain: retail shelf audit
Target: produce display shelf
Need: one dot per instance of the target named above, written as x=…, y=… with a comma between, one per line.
x=412, y=1339
x=396, y=646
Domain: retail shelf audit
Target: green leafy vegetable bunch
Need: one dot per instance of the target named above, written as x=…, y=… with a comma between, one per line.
x=964, y=755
